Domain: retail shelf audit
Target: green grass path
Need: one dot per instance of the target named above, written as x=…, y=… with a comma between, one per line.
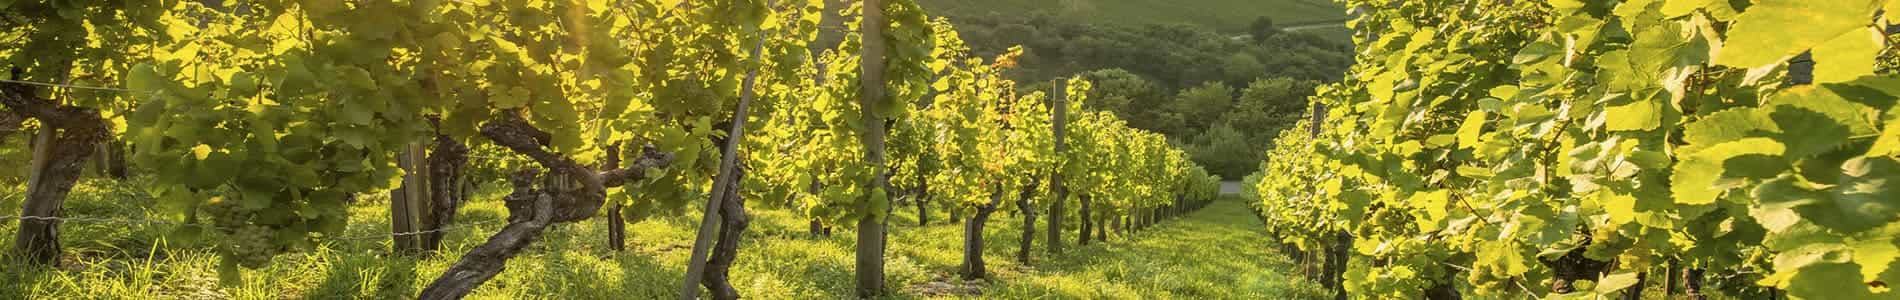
x=1216, y=253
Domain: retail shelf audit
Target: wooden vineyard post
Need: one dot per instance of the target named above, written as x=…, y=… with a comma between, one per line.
x=409, y=205
x=1055, y=178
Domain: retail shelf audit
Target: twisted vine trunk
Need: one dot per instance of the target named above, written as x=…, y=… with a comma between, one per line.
x=1692, y=283
x=1121, y=225
x=616, y=224
x=1337, y=253
x=67, y=137
x=1669, y=279
x=447, y=162
x=818, y=228
x=733, y=224
x=569, y=193
x=725, y=188
x=922, y=199
x=530, y=211
x=1028, y=210
x=973, y=267
x=1101, y=229
x=1084, y=218
x=111, y=159
x=956, y=214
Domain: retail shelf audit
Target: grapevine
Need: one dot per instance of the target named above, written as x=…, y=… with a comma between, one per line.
x=1574, y=148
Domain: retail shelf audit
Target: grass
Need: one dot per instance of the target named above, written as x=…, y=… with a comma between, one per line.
x=1223, y=15
x=1216, y=253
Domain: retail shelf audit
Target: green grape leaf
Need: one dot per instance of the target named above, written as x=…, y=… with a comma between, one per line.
x=145, y=78
x=1616, y=281
x=1678, y=8
x=254, y=198
x=510, y=98
x=1888, y=144
x=880, y=202
x=1775, y=211
x=1435, y=204
x=1728, y=125
x=1849, y=56
x=1858, y=117
x=1863, y=199
x=177, y=201
x=1700, y=177
x=1807, y=133
x=1638, y=115
x=1875, y=257
x=1472, y=129
x=1772, y=31
x=1826, y=280
x=356, y=113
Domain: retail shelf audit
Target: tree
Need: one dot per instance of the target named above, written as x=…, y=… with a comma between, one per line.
x=1262, y=28
x=1200, y=105
x=1238, y=67
x=1225, y=151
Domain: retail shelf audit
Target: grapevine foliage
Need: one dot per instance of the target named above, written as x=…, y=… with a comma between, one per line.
x=1564, y=148
x=262, y=120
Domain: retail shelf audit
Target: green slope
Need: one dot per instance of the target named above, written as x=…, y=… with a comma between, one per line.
x=1225, y=15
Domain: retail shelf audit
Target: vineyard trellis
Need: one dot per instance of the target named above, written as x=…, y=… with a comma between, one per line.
x=222, y=106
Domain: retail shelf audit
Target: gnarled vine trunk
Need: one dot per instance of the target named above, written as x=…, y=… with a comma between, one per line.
x=1692, y=283
x=616, y=225
x=1101, y=229
x=67, y=137
x=111, y=159
x=1084, y=218
x=447, y=161
x=734, y=221
x=973, y=267
x=1028, y=211
x=569, y=193
x=818, y=227
x=922, y=199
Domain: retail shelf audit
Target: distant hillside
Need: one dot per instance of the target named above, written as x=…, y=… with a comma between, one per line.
x=1220, y=15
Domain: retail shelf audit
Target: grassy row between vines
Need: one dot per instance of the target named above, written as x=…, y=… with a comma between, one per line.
x=1214, y=253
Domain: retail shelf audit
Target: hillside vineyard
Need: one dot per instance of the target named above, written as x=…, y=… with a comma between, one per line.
x=260, y=124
